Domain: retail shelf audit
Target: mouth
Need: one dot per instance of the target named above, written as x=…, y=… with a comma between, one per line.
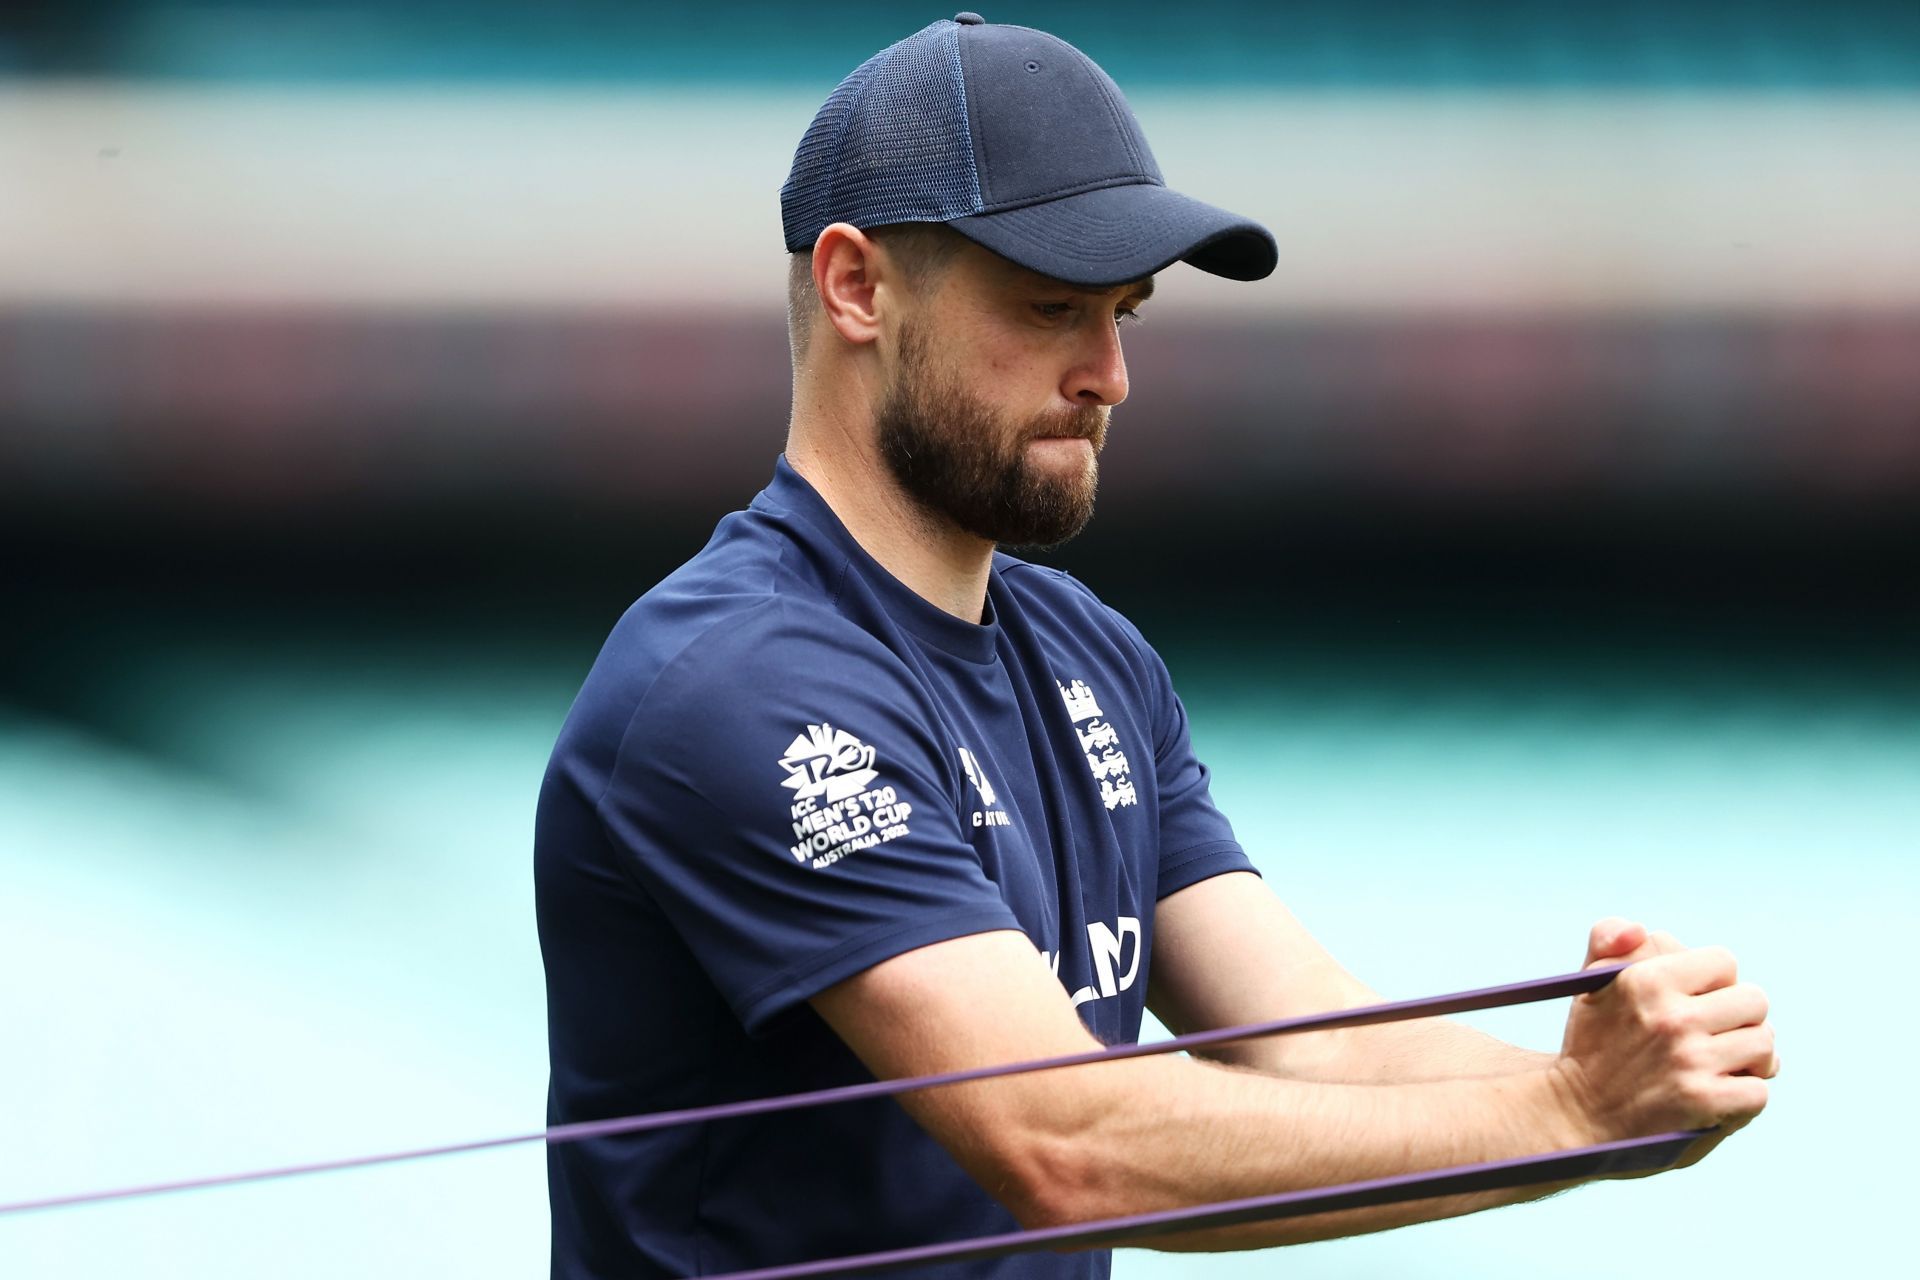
x=1073, y=426
x=1091, y=434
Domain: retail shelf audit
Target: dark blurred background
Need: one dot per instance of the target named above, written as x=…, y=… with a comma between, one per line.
x=1540, y=541
x=1612, y=312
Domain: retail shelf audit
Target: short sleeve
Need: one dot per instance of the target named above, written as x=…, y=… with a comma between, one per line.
x=1196, y=840
x=784, y=795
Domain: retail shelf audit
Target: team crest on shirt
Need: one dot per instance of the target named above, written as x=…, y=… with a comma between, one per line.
x=1100, y=744
x=836, y=809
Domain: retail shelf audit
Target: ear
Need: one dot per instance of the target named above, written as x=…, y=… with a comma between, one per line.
x=847, y=267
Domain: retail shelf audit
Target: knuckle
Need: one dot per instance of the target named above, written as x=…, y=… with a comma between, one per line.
x=1722, y=958
x=1702, y=1101
x=1641, y=981
x=1664, y=1020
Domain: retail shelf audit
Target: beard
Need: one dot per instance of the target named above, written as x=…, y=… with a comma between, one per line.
x=961, y=462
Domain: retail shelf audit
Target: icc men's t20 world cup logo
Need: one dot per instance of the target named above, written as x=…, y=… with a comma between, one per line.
x=828, y=764
x=836, y=810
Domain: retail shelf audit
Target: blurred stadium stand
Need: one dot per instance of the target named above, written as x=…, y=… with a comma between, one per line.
x=488, y=289
x=1760, y=44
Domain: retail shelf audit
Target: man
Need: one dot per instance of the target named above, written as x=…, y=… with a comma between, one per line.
x=852, y=792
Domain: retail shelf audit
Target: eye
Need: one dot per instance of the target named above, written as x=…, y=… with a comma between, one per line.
x=1126, y=315
x=1053, y=310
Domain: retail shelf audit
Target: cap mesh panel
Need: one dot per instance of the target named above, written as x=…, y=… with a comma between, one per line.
x=891, y=144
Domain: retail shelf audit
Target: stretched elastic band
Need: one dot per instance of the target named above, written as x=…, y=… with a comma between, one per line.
x=1567, y=984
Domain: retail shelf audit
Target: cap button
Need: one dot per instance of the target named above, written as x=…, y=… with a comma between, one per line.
x=969, y=19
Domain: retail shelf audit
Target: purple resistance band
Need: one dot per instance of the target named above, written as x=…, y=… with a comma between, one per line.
x=1634, y=1154
x=1629, y=1156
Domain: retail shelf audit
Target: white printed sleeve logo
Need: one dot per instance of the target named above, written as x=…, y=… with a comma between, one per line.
x=1100, y=744
x=829, y=762
x=835, y=810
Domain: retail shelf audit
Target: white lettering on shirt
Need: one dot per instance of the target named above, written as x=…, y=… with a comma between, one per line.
x=836, y=811
x=1108, y=944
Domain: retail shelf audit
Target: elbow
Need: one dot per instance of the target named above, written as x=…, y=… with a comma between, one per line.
x=1053, y=1179
x=1059, y=1156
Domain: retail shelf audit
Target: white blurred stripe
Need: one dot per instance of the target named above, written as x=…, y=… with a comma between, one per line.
x=114, y=194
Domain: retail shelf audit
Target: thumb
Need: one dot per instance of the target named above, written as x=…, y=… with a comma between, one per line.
x=1613, y=938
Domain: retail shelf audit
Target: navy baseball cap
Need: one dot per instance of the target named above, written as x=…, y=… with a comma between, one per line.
x=1018, y=141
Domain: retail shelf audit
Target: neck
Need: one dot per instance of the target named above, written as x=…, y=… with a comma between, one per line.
x=831, y=445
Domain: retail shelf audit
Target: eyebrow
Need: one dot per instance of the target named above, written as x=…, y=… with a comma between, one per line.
x=1140, y=289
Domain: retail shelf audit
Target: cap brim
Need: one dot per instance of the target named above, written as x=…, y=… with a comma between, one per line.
x=1112, y=235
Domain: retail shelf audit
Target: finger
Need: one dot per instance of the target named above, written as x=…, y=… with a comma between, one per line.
x=1656, y=944
x=1743, y=1004
x=1745, y=1051
x=1612, y=938
x=1662, y=943
x=1739, y=1099
x=1769, y=1071
x=1694, y=972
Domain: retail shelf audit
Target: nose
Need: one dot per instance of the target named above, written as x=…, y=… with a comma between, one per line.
x=1100, y=375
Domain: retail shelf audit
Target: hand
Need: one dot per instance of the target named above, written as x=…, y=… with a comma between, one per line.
x=1618, y=941
x=1675, y=1042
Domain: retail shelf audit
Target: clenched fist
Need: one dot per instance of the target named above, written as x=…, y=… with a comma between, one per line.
x=1676, y=1041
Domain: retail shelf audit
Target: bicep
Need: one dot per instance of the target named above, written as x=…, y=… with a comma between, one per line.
x=1227, y=951
x=979, y=1000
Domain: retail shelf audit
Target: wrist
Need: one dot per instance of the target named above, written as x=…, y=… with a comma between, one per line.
x=1572, y=1116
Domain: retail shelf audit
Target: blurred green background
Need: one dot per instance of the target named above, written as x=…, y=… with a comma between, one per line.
x=1539, y=544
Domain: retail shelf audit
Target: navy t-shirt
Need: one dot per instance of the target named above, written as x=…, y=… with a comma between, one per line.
x=786, y=767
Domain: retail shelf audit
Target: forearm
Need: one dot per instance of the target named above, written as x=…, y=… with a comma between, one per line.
x=1221, y=920
x=1673, y=1043
x=1182, y=1133
x=1394, y=1053
x=1348, y=1222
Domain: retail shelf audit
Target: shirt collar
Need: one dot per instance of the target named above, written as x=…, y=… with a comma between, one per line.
x=974, y=642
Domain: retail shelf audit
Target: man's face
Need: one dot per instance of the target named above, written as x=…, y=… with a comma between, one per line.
x=996, y=408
